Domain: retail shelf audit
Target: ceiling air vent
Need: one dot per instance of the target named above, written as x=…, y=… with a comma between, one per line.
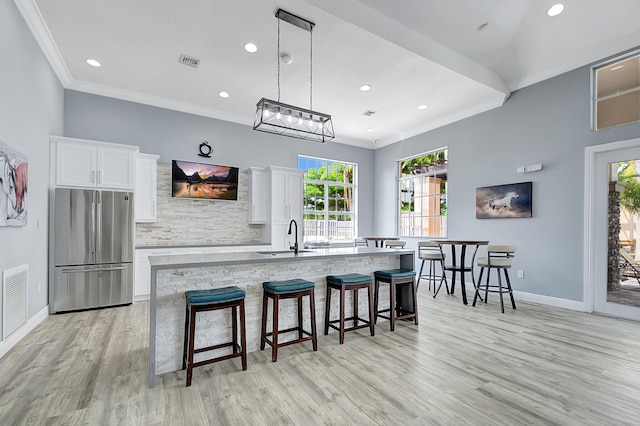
x=369, y=112
x=189, y=60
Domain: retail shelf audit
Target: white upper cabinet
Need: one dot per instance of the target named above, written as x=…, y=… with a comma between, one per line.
x=90, y=164
x=285, y=190
x=257, y=196
x=146, y=189
x=275, y=197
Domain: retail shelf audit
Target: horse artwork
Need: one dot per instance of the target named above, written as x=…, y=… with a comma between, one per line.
x=13, y=187
x=504, y=201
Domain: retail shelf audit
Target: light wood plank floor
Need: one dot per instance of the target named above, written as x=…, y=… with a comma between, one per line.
x=462, y=365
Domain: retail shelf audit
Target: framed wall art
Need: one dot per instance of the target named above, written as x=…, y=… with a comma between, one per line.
x=13, y=187
x=504, y=201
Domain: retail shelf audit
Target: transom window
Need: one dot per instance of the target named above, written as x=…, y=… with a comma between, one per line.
x=329, y=199
x=422, y=195
x=616, y=99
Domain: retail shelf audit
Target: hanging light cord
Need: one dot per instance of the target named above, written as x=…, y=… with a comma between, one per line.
x=311, y=69
x=278, y=59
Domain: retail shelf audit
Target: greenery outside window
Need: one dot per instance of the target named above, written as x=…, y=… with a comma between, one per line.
x=422, y=191
x=329, y=199
x=616, y=92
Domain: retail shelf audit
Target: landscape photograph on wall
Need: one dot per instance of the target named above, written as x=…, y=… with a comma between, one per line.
x=13, y=187
x=203, y=181
x=503, y=201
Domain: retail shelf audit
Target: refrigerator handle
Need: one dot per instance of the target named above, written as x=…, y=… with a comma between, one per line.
x=82, y=271
x=98, y=230
x=93, y=226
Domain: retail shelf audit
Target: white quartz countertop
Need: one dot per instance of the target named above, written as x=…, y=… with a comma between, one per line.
x=216, y=259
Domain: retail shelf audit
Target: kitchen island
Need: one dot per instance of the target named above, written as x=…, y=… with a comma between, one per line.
x=172, y=275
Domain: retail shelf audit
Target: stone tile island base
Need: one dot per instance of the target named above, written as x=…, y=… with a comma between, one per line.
x=170, y=284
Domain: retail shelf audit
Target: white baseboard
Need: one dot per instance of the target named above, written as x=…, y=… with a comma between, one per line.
x=538, y=298
x=141, y=297
x=21, y=332
x=574, y=305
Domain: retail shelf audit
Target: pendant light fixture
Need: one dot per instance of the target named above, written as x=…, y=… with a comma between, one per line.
x=289, y=120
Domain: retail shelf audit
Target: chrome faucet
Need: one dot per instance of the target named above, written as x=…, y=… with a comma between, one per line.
x=295, y=246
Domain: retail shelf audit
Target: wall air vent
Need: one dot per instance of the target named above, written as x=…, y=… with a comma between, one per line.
x=189, y=60
x=369, y=112
x=14, y=299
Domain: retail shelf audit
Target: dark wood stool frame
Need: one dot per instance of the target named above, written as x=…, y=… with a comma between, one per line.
x=190, y=331
x=264, y=337
x=396, y=312
x=355, y=318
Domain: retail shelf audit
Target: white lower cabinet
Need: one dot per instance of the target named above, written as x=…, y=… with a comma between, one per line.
x=142, y=288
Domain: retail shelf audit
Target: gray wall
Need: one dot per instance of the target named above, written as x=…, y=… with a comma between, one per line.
x=176, y=135
x=546, y=123
x=31, y=103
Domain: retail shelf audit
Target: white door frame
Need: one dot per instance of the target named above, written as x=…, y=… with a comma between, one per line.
x=595, y=244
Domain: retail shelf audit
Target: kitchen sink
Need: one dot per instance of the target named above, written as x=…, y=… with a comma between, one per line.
x=277, y=252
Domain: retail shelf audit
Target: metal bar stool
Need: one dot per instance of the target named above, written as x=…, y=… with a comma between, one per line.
x=287, y=289
x=397, y=244
x=430, y=251
x=498, y=257
x=349, y=282
x=211, y=300
x=395, y=278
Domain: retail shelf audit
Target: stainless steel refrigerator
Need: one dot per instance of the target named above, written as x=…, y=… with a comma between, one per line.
x=92, y=249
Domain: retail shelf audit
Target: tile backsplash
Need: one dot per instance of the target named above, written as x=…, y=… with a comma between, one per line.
x=183, y=222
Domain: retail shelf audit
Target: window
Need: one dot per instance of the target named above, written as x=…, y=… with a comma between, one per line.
x=422, y=190
x=616, y=97
x=329, y=199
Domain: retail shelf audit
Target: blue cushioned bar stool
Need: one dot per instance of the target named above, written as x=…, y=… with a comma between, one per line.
x=352, y=282
x=288, y=289
x=395, y=278
x=211, y=300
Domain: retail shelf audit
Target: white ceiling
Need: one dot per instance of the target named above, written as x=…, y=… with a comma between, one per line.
x=412, y=52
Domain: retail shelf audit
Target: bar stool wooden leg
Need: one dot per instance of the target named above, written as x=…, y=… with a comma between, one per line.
x=312, y=308
x=392, y=305
x=355, y=307
x=414, y=288
x=186, y=337
x=274, y=334
x=371, y=309
x=375, y=302
x=263, y=333
x=243, y=336
x=342, y=303
x=300, y=317
x=234, y=328
x=327, y=310
x=192, y=334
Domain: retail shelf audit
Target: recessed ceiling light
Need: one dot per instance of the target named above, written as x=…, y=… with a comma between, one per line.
x=421, y=107
x=223, y=94
x=370, y=130
x=93, y=63
x=555, y=10
x=250, y=47
x=365, y=87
